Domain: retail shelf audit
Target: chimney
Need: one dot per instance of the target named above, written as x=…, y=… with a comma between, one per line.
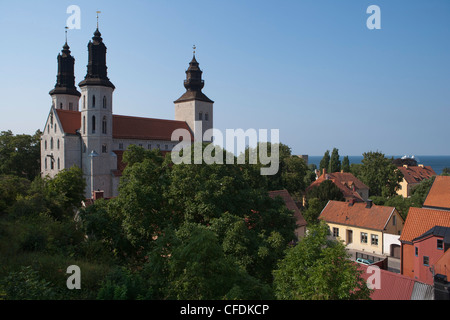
x=324, y=172
x=369, y=204
x=97, y=195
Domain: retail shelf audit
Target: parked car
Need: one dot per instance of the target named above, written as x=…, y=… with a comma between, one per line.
x=364, y=261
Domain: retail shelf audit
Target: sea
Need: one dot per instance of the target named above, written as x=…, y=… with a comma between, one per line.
x=437, y=163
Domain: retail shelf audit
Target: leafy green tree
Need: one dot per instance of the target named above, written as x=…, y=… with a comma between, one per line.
x=11, y=187
x=198, y=269
x=325, y=162
x=445, y=171
x=318, y=197
x=380, y=174
x=319, y=269
x=20, y=154
x=313, y=210
x=346, y=164
x=335, y=162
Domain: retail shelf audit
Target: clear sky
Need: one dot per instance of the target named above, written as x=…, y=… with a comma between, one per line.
x=310, y=68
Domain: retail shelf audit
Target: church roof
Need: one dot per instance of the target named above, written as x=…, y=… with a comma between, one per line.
x=126, y=127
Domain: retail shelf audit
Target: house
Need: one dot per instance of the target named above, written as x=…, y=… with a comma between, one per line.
x=412, y=176
x=394, y=286
x=421, y=242
x=364, y=227
x=429, y=248
x=290, y=204
x=439, y=195
x=352, y=188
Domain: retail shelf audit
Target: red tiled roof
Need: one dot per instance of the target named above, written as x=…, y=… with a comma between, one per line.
x=357, y=215
x=70, y=120
x=416, y=174
x=420, y=220
x=125, y=127
x=290, y=204
x=345, y=181
x=392, y=286
x=439, y=194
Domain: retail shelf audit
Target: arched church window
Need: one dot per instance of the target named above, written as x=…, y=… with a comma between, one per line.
x=93, y=101
x=57, y=144
x=84, y=102
x=104, y=148
x=45, y=145
x=51, y=144
x=93, y=124
x=45, y=163
x=104, y=102
x=59, y=164
x=84, y=124
x=206, y=116
x=104, y=124
x=200, y=116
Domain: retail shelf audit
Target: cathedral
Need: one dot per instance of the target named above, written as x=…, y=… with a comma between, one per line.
x=82, y=130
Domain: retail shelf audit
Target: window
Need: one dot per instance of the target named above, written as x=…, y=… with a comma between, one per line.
x=374, y=239
x=200, y=116
x=51, y=144
x=84, y=124
x=140, y=145
x=61, y=105
x=149, y=146
x=84, y=102
x=45, y=163
x=45, y=145
x=93, y=124
x=59, y=164
x=206, y=117
x=104, y=125
x=120, y=146
x=51, y=164
x=426, y=260
x=440, y=244
x=104, y=148
x=104, y=102
x=93, y=101
x=363, y=237
x=157, y=146
x=70, y=106
x=416, y=251
x=335, y=232
x=394, y=220
x=55, y=127
x=57, y=144
x=167, y=147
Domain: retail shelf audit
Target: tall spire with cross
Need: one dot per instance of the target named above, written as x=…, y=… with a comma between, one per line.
x=65, y=78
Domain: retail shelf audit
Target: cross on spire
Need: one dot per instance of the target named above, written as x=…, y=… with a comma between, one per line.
x=97, y=17
x=66, y=27
x=194, y=47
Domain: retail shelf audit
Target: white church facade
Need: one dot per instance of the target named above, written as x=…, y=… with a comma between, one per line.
x=82, y=130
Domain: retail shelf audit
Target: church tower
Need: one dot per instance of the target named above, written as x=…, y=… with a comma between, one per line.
x=65, y=95
x=194, y=106
x=96, y=120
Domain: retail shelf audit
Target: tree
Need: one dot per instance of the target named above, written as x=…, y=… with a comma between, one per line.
x=317, y=198
x=346, y=164
x=445, y=172
x=20, y=154
x=319, y=269
x=325, y=162
x=335, y=162
x=380, y=174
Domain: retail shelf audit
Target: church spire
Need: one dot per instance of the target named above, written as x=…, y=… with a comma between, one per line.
x=97, y=74
x=65, y=78
x=194, y=83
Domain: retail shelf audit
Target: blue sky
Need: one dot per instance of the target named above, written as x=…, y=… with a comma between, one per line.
x=310, y=68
